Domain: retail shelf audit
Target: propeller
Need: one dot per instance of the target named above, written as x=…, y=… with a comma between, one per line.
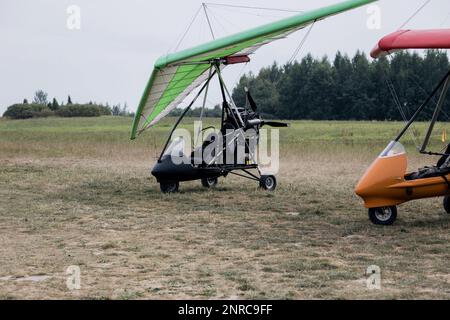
x=259, y=122
x=275, y=124
x=251, y=101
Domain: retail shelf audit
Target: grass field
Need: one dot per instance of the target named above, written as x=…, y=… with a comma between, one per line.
x=78, y=192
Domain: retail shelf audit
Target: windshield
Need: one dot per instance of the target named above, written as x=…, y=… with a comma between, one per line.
x=393, y=149
x=176, y=148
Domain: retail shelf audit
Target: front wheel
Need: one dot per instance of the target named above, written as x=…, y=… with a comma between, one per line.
x=268, y=183
x=210, y=183
x=383, y=216
x=447, y=204
x=169, y=187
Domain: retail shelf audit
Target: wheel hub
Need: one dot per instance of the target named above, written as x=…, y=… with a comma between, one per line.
x=270, y=182
x=383, y=214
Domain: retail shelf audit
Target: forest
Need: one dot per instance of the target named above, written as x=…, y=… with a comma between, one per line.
x=346, y=88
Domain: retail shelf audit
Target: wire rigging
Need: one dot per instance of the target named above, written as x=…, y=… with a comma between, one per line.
x=399, y=106
x=302, y=43
x=188, y=29
x=445, y=20
x=217, y=21
x=433, y=99
x=391, y=84
x=254, y=14
x=205, y=8
x=250, y=7
x=415, y=14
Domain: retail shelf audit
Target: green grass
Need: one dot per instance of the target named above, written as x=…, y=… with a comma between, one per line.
x=116, y=130
x=103, y=127
x=79, y=192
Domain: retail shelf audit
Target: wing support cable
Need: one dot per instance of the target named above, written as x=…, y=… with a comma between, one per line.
x=302, y=43
x=436, y=114
x=226, y=93
x=188, y=29
x=255, y=8
x=185, y=112
x=415, y=14
x=422, y=107
x=402, y=112
x=205, y=98
x=205, y=9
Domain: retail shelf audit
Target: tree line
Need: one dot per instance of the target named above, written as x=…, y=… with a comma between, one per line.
x=346, y=88
x=41, y=107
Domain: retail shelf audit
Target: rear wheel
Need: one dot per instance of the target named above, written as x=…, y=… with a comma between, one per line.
x=385, y=216
x=210, y=182
x=447, y=204
x=268, y=183
x=169, y=187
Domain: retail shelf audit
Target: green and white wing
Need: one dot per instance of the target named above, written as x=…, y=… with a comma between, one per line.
x=176, y=75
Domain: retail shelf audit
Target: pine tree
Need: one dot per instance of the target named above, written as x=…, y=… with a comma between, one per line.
x=347, y=89
x=116, y=110
x=54, y=106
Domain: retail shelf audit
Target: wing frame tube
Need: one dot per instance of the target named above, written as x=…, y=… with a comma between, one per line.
x=422, y=107
x=185, y=112
x=262, y=31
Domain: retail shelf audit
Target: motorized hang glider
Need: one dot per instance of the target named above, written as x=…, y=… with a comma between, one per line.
x=177, y=75
x=386, y=184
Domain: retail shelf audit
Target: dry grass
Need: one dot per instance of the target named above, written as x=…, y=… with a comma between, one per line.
x=72, y=198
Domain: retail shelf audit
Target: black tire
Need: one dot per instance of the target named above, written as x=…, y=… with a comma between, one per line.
x=268, y=183
x=210, y=183
x=169, y=187
x=447, y=204
x=383, y=216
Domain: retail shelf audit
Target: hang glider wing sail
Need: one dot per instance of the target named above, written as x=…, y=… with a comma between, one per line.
x=412, y=39
x=176, y=75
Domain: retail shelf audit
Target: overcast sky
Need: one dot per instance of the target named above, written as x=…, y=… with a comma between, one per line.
x=110, y=58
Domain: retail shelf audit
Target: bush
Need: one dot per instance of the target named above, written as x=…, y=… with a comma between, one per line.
x=27, y=111
x=83, y=110
x=105, y=110
x=195, y=113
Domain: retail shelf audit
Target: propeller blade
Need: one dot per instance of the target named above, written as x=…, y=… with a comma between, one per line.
x=251, y=101
x=276, y=124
